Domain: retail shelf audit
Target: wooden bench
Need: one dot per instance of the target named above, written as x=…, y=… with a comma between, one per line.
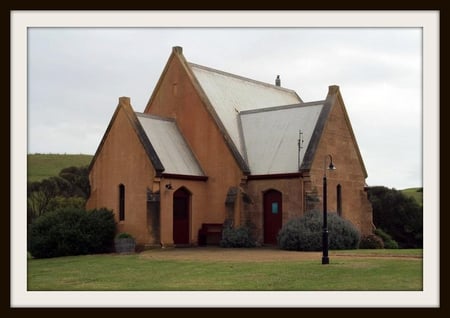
x=210, y=234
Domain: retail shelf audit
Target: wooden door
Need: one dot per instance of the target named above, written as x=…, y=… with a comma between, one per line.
x=273, y=212
x=181, y=205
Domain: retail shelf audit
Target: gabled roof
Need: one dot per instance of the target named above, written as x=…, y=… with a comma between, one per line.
x=272, y=135
x=125, y=106
x=260, y=122
x=170, y=146
x=263, y=121
x=162, y=142
x=230, y=94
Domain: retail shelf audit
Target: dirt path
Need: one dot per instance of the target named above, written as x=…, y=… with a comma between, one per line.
x=250, y=254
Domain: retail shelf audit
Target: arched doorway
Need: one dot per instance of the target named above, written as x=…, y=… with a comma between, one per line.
x=181, y=207
x=273, y=215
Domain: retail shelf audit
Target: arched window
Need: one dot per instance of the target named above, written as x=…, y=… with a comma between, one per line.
x=339, y=199
x=121, y=202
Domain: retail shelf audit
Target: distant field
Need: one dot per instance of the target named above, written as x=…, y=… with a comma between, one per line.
x=41, y=166
x=412, y=192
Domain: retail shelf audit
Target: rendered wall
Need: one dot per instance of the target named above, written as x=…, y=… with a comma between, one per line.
x=176, y=97
x=122, y=160
x=197, y=209
x=338, y=141
x=292, y=201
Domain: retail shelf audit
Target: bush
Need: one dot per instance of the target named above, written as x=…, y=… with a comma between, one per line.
x=237, y=237
x=371, y=241
x=72, y=231
x=100, y=228
x=389, y=243
x=399, y=215
x=123, y=235
x=305, y=233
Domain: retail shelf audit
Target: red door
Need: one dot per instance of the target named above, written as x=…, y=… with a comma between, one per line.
x=181, y=204
x=273, y=211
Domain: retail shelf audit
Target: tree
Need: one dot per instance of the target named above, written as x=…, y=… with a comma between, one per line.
x=70, y=189
x=41, y=193
x=398, y=215
x=78, y=177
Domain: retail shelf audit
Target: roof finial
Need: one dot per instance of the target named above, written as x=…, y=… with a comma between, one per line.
x=177, y=49
x=278, y=81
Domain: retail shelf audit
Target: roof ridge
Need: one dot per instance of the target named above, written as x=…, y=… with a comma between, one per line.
x=154, y=116
x=207, y=68
x=282, y=107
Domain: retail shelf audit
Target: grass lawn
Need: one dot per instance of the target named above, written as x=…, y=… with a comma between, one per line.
x=348, y=270
x=41, y=166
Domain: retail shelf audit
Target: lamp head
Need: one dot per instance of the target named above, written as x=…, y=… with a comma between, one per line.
x=331, y=166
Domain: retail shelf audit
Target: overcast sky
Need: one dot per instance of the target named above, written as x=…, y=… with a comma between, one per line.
x=76, y=75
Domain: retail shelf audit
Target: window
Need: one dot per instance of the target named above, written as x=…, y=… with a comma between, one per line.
x=274, y=207
x=121, y=202
x=339, y=199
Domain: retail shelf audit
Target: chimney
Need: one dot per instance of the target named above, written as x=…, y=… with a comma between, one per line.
x=177, y=49
x=124, y=100
x=333, y=89
x=278, y=81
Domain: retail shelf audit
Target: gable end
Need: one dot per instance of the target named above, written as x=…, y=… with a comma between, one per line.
x=317, y=133
x=124, y=104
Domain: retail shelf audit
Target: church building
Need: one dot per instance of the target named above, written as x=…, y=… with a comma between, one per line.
x=213, y=147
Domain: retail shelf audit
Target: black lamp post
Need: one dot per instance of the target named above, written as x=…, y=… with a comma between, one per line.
x=325, y=259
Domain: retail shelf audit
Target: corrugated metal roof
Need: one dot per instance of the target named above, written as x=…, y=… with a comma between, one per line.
x=170, y=146
x=230, y=94
x=271, y=136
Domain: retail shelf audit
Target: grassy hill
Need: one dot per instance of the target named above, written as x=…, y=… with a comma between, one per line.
x=415, y=194
x=41, y=166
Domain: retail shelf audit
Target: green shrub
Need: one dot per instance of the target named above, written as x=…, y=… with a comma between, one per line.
x=72, y=231
x=123, y=235
x=100, y=228
x=237, y=237
x=371, y=241
x=397, y=214
x=305, y=233
x=389, y=243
